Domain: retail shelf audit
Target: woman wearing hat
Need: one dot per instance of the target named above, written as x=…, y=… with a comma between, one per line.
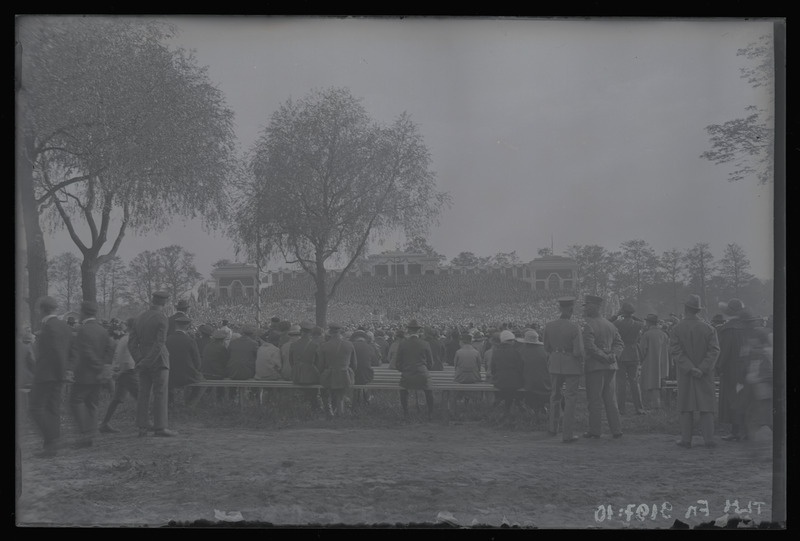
x=535, y=371
x=507, y=372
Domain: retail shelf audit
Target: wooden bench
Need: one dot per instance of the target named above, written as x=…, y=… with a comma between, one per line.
x=384, y=378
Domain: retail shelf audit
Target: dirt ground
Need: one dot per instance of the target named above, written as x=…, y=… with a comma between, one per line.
x=325, y=473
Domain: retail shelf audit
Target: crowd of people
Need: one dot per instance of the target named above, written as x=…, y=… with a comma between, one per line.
x=537, y=362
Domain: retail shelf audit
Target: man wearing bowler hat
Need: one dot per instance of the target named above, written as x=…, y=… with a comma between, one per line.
x=603, y=345
x=694, y=346
x=90, y=362
x=628, y=375
x=414, y=360
x=49, y=376
x=148, y=347
x=563, y=342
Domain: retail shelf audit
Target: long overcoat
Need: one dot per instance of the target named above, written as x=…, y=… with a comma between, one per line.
x=366, y=358
x=414, y=360
x=304, y=361
x=91, y=350
x=242, y=358
x=535, y=371
x=654, y=347
x=336, y=358
x=507, y=367
x=732, y=368
x=214, y=363
x=184, y=360
x=694, y=344
x=563, y=342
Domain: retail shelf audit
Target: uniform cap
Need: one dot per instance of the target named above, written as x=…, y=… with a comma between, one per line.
x=592, y=300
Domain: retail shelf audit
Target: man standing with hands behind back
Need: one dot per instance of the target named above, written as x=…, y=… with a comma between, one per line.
x=147, y=344
x=602, y=344
x=563, y=341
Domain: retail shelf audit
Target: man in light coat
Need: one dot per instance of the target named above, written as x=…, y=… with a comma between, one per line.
x=602, y=345
x=695, y=347
x=563, y=342
x=654, y=348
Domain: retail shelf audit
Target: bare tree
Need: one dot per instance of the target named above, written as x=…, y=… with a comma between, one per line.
x=111, y=281
x=640, y=265
x=325, y=179
x=144, y=277
x=734, y=269
x=178, y=273
x=671, y=265
x=65, y=275
x=699, y=265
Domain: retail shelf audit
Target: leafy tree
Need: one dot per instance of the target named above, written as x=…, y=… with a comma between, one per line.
x=748, y=142
x=595, y=266
x=135, y=136
x=325, y=178
x=671, y=265
x=65, y=274
x=178, y=273
x=544, y=252
x=221, y=263
x=734, y=269
x=699, y=265
x=506, y=258
x=111, y=281
x=419, y=245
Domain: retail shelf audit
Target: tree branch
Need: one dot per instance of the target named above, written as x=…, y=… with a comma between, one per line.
x=63, y=184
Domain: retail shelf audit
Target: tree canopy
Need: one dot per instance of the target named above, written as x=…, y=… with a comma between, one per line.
x=324, y=178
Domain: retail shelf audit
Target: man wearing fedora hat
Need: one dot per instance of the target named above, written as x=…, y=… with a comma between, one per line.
x=90, y=362
x=731, y=367
x=563, y=343
x=602, y=345
x=181, y=310
x=654, y=349
x=148, y=346
x=694, y=346
x=414, y=360
x=52, y=356
x=629, y=372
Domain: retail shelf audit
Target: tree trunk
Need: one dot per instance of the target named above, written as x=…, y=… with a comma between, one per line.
x=89, y=278
x=321, y=296
x=36, y=253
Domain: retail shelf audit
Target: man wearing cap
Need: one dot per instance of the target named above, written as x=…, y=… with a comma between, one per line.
x=695, y=348
x=535, y=372
x=654, y=348
x=52, y=355
x=90, y=362
x=148, y=346
x=184, y=362
x=602, y=345
x=292, y=335
x=305, y=364
x=337, y=363
x=629, y=361
x=414, y=360
x=563, y=343
x=731, y=367
x=181, y=310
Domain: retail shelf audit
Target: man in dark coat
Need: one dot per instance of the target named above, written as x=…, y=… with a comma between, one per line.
x=184, y=361
x=52, y=355
x=90, y=363
x=366, y=358
x=731, y=367
x=305, y=364
x=148, y=347
x=630, y=362
x=242, y=353
x=181, y=310
x=383, y=346
x=437, y=349
x=337, y=362
x=695, y=347
x=414, y=360
x=203, y=336
x=535, y=372
x=602, y=345
x=563, y=343
x=507, y=371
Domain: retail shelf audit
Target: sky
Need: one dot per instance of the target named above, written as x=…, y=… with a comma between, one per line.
x=571, y=131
